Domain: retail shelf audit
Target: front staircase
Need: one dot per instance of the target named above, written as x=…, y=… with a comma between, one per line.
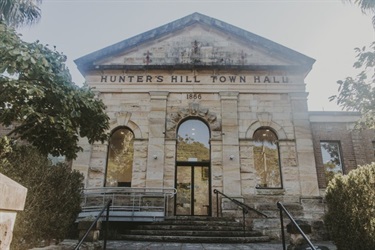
x=195, y=229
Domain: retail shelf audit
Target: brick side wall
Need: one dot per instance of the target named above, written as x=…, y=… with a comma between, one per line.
x=356, y=146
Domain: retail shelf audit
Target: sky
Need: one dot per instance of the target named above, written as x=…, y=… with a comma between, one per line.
x=326, y=30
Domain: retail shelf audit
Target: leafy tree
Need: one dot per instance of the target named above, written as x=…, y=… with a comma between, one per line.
x=358, y=93
x=37, y=95
x=351, y=206
x=53, y=198
x=367, y=6
x=19, y=12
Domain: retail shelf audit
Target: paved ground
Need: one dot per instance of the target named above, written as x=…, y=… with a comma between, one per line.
x=138, y=245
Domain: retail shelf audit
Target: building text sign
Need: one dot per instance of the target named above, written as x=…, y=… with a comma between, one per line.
x=189, y=79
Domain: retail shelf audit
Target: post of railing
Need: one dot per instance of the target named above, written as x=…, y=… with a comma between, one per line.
x=217, y=202
x=282, y=226
x=106, y=225
x=282, y=208
x=165, y=200
x=77, y=247
x=243, y=220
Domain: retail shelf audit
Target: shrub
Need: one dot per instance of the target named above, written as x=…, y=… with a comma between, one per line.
x=53, y=197
x=5, y=149
x=350, y=218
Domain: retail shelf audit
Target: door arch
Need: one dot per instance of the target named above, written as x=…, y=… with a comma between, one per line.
x=193, y=182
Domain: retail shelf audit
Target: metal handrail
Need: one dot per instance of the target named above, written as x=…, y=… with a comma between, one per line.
x=127, y=199
x=146, y=190
x=106, y=207
x=282, y=208
x=245, y=208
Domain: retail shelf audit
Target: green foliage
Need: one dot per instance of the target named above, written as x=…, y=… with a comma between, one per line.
x=5, y=149
x=351, y=208
x=367, y=6
x=20, y=12
x=358, y=93
x=53, y=198
x=38, y=96
x=188, y=148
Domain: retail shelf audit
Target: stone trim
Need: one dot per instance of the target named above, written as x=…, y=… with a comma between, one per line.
x=194, y=110
x=122, y=119
x=265, y=120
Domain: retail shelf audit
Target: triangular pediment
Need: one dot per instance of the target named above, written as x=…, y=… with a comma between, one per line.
x=195, y=40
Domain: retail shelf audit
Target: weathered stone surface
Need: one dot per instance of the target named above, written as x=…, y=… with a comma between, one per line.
x=13, y=198
x=303, y=225
x=13, y=195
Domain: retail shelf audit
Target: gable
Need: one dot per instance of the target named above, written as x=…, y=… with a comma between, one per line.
x=197, y=44
x=195, y=41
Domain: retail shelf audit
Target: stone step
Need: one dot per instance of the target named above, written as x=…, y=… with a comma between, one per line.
x=195, y=229
x=195, y=239
x=208, y=226
x=226, y=233
x=198, y=218
x=199, y=223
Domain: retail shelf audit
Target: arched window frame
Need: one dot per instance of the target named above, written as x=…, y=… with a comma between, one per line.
x=265, y=183
x=190, y=119
x=116, y=182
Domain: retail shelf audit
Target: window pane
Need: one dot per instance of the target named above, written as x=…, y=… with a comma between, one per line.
x=193, y=141
x=266, y=159
x=331, y=159
x=120, y=158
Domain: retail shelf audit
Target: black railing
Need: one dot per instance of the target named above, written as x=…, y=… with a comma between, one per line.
x=245, y=208
x=106, y=207
x=283, y=209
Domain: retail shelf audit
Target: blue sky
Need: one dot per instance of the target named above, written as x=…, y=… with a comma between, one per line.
x=326, y=30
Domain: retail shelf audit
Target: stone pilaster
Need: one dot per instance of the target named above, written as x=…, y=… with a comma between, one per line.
x=230, y=150
x=289, y=167
x=139, y=163
x=248, y=176
x=156, y=124
x=169, y=164
x=216, y=170
x=82, y=162
x=304, y=146
x=97, y=168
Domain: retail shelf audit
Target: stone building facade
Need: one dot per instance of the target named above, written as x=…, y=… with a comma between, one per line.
x=198, y=104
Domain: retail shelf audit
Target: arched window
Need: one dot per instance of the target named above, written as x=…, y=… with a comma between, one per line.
x=193, y=141
x=266, y=159
x=120, y=158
